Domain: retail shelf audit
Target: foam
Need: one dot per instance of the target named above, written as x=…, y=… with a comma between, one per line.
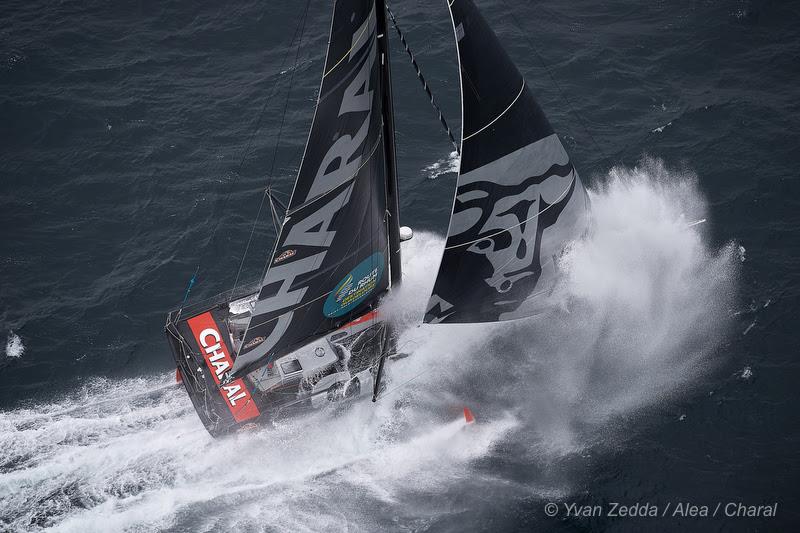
x=14, y=346
x=642, y=312
x=446, y=165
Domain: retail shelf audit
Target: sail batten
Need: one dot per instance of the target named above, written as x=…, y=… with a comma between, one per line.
x=518, y=201
x=331, y=259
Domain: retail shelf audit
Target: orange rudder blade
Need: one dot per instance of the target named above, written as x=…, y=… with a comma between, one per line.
x=469, y=418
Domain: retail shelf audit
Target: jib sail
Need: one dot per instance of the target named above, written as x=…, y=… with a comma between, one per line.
x=332, y=257
x=518, y=199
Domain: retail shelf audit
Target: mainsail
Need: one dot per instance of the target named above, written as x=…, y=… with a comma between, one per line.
x=518, y=199
x=333, y=256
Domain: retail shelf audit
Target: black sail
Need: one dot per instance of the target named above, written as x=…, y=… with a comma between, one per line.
x=519, y=200
x=331, y=260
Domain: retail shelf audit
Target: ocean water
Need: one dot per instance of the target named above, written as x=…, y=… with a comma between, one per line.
x=666, y=375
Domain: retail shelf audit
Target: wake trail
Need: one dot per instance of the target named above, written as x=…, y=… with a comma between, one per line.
x=642, y=311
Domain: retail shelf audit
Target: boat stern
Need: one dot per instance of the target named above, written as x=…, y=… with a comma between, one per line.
x=329, y=369
x=200, y=345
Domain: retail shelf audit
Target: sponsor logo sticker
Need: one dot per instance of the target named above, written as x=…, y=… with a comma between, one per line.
x=355, y=287
x=218, y=359
x=253, y=342
x=284, y=255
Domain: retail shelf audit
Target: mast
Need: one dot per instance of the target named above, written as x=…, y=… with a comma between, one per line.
x=334, y=255
x=392, y=199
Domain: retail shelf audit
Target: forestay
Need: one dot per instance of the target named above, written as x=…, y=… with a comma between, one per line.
x=330, y=262
x=519, y=200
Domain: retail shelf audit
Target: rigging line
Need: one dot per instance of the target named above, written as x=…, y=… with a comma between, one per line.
x=422, y=80
x=275, y=199
x=249, y=240
x=561, y=91
x=357, y=237
x=205, y=162
x=230, y=188
x=355, y=42
x=288, y=94
x=188, y=290
x=403, y=384
x=267, y=191
x=272, y=167
x=250, y=143
x=215, y=228
x=316, y=198
x=696, y=223
x=276, y=224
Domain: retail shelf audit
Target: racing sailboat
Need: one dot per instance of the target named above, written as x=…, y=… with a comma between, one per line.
x=312, y=332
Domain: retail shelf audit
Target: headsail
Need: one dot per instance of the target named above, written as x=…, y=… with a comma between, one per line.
x=332, y=257
x=518, y=200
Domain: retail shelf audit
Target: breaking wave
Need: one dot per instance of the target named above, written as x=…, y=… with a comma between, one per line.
x=643, y=308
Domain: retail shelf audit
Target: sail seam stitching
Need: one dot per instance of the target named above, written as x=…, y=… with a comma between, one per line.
x=498, y=116
x=561, y=197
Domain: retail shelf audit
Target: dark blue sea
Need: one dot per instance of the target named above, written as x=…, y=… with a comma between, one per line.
x=136, y=139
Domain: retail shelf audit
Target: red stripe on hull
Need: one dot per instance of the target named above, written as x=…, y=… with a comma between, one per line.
x=218, y=359
x=363, y=318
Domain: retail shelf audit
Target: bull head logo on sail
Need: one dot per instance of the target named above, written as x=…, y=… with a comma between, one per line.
x=515, y=224
x=505, y=228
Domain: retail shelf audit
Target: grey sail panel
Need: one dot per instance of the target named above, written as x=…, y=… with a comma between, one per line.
x=330, y=261
x=519, y=200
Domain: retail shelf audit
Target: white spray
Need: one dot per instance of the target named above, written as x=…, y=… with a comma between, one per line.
x=642, y=311
x=14, y=346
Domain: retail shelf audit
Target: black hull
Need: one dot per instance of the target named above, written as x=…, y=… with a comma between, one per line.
x=347, y=370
